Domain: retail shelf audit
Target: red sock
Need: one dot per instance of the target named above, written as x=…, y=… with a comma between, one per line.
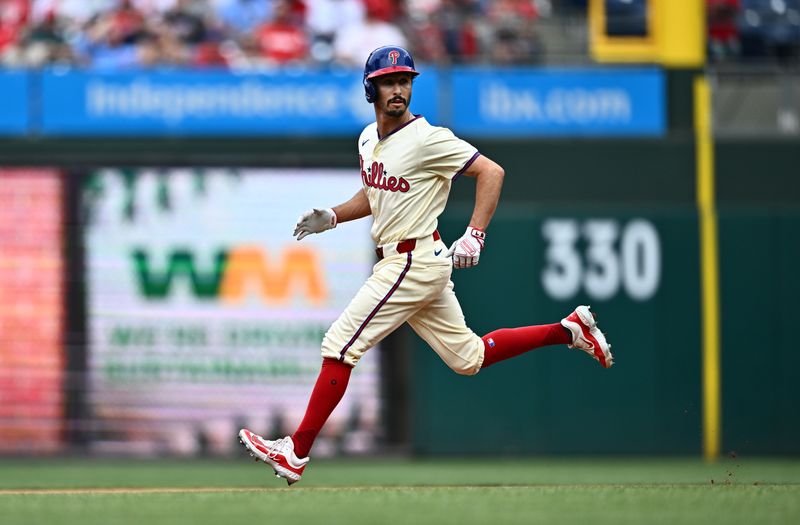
x=510, y=342
x=328, y=391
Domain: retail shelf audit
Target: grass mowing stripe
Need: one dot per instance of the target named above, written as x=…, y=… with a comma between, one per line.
x=96, y=474
x=349, y=488
x=154, y=490
x=577, y=504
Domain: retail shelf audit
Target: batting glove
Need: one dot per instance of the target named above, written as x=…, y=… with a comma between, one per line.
x=314, y=221
x=467, y=250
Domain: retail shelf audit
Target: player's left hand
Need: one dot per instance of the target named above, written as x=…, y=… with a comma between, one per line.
x=314, y=221
x=466, y=251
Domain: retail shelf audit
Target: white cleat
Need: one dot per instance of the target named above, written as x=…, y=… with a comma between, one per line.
x=587, y=336
x=278, y=454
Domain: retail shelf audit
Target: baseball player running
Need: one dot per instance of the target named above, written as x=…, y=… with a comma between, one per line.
x=407, y=167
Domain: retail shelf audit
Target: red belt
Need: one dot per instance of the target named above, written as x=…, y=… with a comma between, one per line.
x=406, y=245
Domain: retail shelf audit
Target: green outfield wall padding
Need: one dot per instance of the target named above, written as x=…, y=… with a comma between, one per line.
x=558, y=400
x=760, y=284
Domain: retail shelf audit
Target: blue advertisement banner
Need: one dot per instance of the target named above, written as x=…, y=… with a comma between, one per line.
x=14, y=102
x=214, y=103
x=558, y=102
x=474, y=102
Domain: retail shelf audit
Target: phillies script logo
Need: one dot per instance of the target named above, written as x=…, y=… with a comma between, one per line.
x=394, y=55
x=375, y=177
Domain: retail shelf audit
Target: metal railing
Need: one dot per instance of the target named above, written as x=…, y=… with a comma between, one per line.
x=755, y=100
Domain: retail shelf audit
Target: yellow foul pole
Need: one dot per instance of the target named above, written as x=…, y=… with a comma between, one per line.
x=709, y=267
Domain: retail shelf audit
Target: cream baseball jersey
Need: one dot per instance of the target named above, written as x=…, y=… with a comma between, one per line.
x=407, y=175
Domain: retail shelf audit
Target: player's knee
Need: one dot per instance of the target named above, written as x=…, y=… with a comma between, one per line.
x=464, y=358
x=464, y=368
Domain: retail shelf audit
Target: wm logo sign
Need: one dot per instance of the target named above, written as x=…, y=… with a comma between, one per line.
x=235, y=274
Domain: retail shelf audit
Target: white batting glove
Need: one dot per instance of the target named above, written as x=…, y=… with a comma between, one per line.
x=467, y=250
x=314, y=221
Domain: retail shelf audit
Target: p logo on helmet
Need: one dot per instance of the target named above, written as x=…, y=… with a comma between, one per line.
x=384, y=61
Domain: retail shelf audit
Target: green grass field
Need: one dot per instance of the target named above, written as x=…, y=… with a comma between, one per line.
x=386, y=492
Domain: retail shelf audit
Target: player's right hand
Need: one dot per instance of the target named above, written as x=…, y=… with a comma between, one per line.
x=466, y=251
x=314, y=221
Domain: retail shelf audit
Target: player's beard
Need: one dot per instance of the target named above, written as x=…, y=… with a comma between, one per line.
x=398, y=112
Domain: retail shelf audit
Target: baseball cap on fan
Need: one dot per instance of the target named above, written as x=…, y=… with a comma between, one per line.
x=384, y=61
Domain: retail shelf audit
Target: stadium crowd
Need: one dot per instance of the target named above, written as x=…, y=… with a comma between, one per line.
x=255, y=34
x=753, y=28
x=252, y=34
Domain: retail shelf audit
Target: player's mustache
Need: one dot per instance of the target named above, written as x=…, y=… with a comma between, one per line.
x=398, y=99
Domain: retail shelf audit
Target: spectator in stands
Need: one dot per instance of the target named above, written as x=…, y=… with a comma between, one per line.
x=210, y=54
x=99, y=46
x=185, y=22
x=73, y=13
x=723, y=32
x=324, y=18
x=386, y=10
x=501, y=31
x=427, y=38
x=456, y=22
x=154, y=7
x=40, y=44
x=420, y=7
x=149, y=52
x=514, y=39
x=243, y=17
x=355, y=41
x=282, y=40
x=13, y=20
x=127, y=22
x=104, y=46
